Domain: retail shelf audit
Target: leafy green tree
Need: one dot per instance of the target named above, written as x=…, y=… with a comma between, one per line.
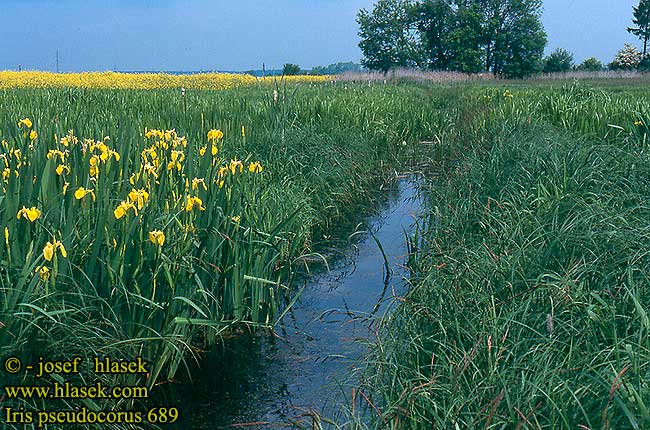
x=642, y=22
x=389, y=36
x=514, y=36
x=290, y=69
x=644, y=64
x=519, y=47
x=451, y=35
x=436, y=23
x=591, y=64
x=559, y=60
x=467, y=39
x=505, y=37
x=502, y=36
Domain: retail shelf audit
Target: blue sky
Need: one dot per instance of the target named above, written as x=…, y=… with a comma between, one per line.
x=242, y=34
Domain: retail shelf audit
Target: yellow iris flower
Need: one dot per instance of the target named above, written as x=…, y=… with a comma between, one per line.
x=194, y=202
x=215, y=135
x=123, y=209
x=139, y=197
x=196, y=182
x=49, y=251
x=43, y=272
x=157, y=237
x=236, y=165
x=62, y=168
x=83, y=192
x=255, y=167
x=32, y=214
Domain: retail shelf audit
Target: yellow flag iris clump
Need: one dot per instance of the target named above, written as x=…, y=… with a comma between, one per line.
x=83, y=192
x=27, y=123
x=138, y=198
x=146, y=217
x=194, y=202
x=214, y=136
x=255, y=167
x=28, y=132
x=43, y=272
x=123, y=208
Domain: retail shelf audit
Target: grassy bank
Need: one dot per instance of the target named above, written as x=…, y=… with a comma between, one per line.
x=528, y=306
x=115, y=256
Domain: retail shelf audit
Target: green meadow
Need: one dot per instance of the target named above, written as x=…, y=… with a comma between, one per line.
x=147, y=233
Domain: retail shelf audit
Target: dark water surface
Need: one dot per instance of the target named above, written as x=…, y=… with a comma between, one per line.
x=266, y=382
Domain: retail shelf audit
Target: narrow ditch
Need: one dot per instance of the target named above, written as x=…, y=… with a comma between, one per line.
x=309, y=369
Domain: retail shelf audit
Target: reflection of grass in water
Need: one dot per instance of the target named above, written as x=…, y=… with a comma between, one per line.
x=333, y=247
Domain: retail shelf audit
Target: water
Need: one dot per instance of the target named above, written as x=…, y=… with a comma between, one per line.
x=266, y=382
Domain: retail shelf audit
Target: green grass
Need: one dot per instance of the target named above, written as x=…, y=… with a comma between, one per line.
x=528, y=305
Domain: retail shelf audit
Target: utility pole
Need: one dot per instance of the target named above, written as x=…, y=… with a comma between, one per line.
x=57, y=61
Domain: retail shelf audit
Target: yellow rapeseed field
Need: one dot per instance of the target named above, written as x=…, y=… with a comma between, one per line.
x=113, y=80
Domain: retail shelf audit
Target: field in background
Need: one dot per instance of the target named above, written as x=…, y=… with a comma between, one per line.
x=141, y=81
x=222, y=81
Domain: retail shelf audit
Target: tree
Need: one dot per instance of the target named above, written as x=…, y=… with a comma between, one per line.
x=389, y=36
x=519, y=45
x=290, y=69
x=467, y=39
x=451, y=35
x=513, y=32
x=505, y=37
x=627, y=58
x=642, y=22
x=435, y=22
x=560, y=60
x=591, y=64
x=644, y=64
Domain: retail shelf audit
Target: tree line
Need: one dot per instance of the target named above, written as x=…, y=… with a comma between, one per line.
x=503, y=37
